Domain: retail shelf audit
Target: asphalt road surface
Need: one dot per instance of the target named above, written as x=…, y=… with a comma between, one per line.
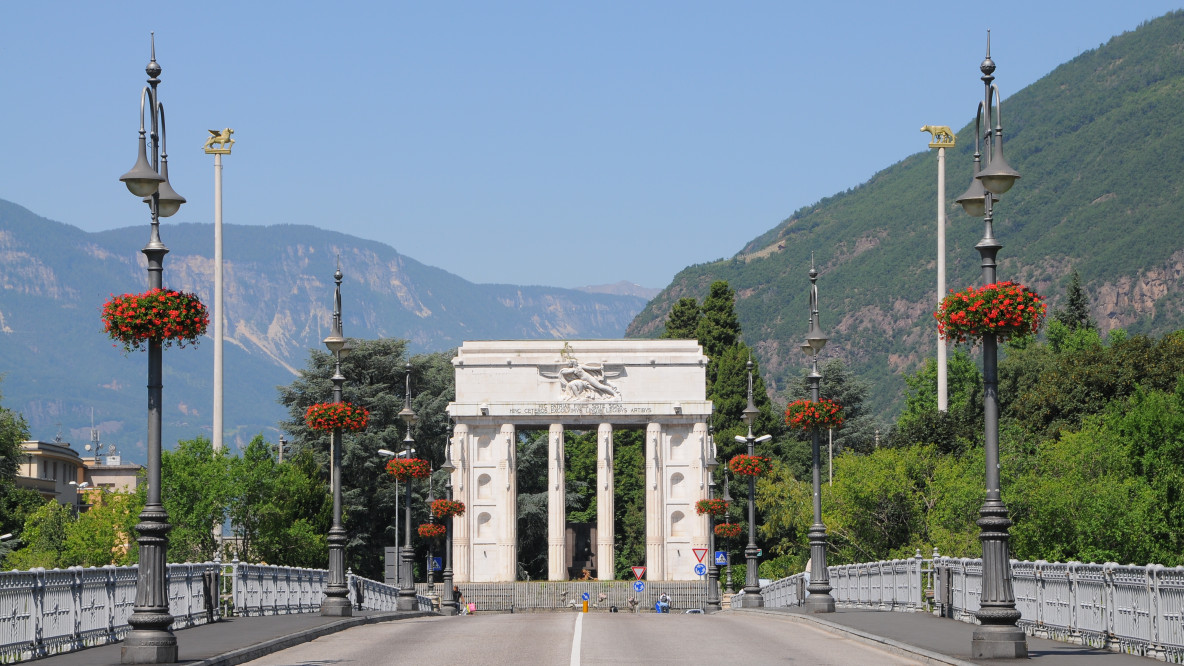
x=586, y=640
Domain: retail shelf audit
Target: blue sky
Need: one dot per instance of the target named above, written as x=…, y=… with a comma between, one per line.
x=554, y=143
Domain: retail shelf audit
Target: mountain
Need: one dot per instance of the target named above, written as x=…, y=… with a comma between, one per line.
x=57, y=363
x=622, y=288
x=1102, y=191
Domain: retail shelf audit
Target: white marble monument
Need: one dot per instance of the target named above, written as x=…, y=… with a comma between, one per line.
x=501, y=386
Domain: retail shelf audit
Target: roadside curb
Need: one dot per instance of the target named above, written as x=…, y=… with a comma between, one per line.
x=243, y=655
x=903, y=649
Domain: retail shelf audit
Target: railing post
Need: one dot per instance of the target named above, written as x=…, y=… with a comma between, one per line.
x=1109, y=600
x=75, y=607
x=236, y=589
x=109, y=588
x=1155, y=648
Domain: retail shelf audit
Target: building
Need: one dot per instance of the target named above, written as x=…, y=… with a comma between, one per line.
x=55, y=470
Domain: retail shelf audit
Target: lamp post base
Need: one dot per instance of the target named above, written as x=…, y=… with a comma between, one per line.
x=998, y=642
x=752, y=600
x=407, y=602
x=149, y=647
x=820, y=603
x=336, y=607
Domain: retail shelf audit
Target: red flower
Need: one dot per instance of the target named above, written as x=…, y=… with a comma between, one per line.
x=405, y=469
x=128, y=319
x=1004, y=309
x=727, y=530
x=746, y=465
x=446, y=508
x=432, y=530
x=333, y=415
x=714, y=507
x=807, y=414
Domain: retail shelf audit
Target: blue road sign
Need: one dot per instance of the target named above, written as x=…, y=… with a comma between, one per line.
x=721, y=558
x=700, y=569
x=437, y=564
x=585, y=596
x=639, y=586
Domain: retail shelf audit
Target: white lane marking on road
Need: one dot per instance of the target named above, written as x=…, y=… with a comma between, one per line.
x=575, y=640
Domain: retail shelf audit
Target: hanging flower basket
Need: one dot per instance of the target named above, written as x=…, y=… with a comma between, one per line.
x=746, y=465
x=405, y=469
x=711, y=507
x=806, y=414
x=446, y=508
x=1005, y=309
x=332, y=415
x=727, y=530
x=158, y=314
x=432, y=530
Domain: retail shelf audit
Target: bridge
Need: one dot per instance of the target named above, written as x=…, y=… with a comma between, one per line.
x=916, y=610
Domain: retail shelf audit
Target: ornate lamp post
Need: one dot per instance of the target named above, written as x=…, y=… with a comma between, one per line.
x=431, y=575
x=336, y=601
x=820, y=600
x=406, y=599
x=712, y=464
x=150, y=640
x=448, y=602
x=997, y=636
x=728, y=589
x=752, y=585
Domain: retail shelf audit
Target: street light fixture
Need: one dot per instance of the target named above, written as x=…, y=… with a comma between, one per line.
x=448, y=603
x=406, y=600
x=752, y=597
x=150, y=641
x=712, y=464
x=336, y=602
x=820, y=599
x=997, y=636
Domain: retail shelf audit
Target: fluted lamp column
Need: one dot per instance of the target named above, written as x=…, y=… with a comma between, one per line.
x=712, y=464
x=820, y=599
x=150, y=640
x=406, y=600
x=752, y=597
x=448, y=601
x=336, y=601
x=996, y=636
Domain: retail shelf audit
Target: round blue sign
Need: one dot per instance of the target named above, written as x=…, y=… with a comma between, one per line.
x=639, y=586
x=700, y=569
x=585, y=596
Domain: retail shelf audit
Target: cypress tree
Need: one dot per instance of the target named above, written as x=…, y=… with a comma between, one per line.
x=1075, y=314
x=683, y=322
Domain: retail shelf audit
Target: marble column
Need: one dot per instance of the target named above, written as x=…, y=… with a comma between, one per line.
x=556, y=506
x=655, y=505
x=462, y=489
x=507, y=543
x=605, y=508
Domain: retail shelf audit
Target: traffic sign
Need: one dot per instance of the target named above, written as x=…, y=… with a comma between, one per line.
x=721, y=558
x=700, y=569
x=639, y=586
x=585, y=596
x=437, y=564
x=700, y=553
x=638, y=572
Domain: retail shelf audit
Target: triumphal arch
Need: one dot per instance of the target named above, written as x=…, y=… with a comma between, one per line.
x=504, y=386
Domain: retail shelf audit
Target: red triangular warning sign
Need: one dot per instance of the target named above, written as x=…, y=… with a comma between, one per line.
x=700, y=553
x=638, y=572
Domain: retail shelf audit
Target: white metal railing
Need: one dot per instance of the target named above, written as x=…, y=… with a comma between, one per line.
x=44, y=612
x=1123, y=608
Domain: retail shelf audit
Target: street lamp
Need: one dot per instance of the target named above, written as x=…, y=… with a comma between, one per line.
x=728, y=590
x=820, y=600
x=997, y=636
x=336, y=602
x=150, y=641
x=752, y=585
x=398, y=549
x=448, y=603
x=406, y=599
x=78, y=488
x=713, y=603
x=431, y=575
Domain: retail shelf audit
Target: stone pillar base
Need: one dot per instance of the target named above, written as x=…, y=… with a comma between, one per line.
x=752, y=601
x=820, y=603
x=998, y=642
x=150, y=647
x=407, y=602
x=336, y=607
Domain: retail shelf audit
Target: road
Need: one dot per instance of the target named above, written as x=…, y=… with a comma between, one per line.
x=585, y=640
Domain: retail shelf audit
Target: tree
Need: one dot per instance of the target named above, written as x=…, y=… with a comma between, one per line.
x=43, y=538
x=1075, y=312
x=839, y=384
x=375, y=374
x=683, y=322
x=16, y=504
x=956, y=428
x=196, y=489
x=719, y=327
x=104, y=534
